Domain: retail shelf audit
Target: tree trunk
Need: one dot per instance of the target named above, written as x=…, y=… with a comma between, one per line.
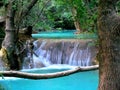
x=76, y=20
x=9, y=51
x=109, y=49
x=10, y=37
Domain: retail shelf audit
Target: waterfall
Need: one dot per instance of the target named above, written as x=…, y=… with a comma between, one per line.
x=71, y=52
x=80, y=57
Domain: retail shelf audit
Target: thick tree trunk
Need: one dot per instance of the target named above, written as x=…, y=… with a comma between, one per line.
x=9, y=52
x=109, y=50
x=10, y=37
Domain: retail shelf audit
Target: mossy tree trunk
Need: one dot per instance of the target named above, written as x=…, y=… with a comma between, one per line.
x=10, y=37
x=9, y=51
x=109, y=49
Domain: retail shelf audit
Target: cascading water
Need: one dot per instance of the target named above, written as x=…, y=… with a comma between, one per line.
x=80, y=57
x=40, y=54
x=72, y=52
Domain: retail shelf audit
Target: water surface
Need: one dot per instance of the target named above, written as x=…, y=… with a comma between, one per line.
x=64, y=34
x=79, y=81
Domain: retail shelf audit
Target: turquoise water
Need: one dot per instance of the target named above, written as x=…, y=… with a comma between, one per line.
x=79, y=81
x=64, y=34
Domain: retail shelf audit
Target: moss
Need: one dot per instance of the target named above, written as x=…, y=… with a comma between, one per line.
x=4, y=59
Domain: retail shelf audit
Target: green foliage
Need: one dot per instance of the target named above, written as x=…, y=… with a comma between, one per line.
x=87, y=36
x=51, y=14
x=86, y=12
x=41, y=16
x=5, y=1
x=47, y=15
x=118, y=7
x=92, y=8
x=2, y=11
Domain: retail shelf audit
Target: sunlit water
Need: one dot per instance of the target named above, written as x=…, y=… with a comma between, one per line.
x=79, y=81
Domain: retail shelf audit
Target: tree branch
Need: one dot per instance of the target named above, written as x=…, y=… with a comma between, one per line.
x=29, y=7
x=46, y=76
x=40, y=13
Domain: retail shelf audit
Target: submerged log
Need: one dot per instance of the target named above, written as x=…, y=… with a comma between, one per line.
x=45, y=76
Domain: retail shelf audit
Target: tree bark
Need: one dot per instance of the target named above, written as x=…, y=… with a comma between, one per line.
x=76, y=21
x=109, y=49
x=46, y=76
x=9, y=45
x=10, y=37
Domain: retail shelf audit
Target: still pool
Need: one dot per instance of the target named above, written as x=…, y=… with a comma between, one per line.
x=87, y=80
x=64, y=34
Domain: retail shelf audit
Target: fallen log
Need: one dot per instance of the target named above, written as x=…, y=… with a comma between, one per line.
x=38, y=76
x=88, y=68
x=45, y=76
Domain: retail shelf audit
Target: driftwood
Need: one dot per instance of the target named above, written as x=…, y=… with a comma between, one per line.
x=46, y=76
x=88, y=68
